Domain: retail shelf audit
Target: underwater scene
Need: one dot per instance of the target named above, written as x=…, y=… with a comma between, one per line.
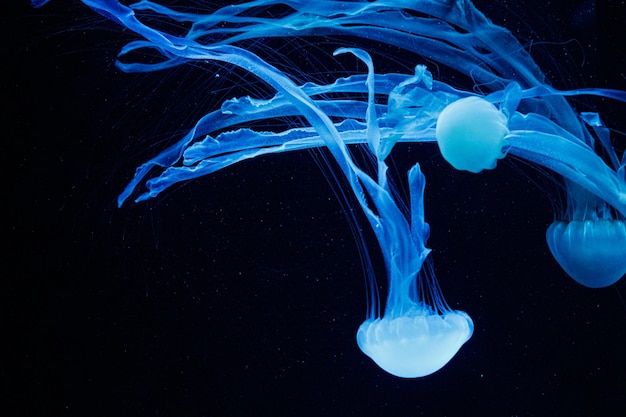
x=373, y=208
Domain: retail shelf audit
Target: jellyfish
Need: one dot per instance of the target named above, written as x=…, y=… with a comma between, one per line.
x=511, y=110
x=589, y=242
x=418, y=333
x=590, y=245
x=470, y=133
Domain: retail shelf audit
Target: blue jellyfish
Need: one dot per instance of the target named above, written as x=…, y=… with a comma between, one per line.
x=418, y=333
x=510, y=111
x=590, y=243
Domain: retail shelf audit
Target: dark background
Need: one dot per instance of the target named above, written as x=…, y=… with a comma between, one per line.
x=240, y=293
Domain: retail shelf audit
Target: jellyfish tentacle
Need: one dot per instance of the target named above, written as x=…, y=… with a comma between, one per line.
x=413, y=338
x=418, y=332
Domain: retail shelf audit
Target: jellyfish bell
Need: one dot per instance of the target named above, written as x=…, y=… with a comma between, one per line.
x=588, y=239
x=471, y=133
x=421, y=333
x=418, y=333
x=592, y=252
x=416, y=344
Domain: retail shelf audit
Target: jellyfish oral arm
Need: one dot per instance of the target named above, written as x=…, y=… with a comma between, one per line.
x=414, y=339
x=418, y=332
x=38, y=3
x=573, y=161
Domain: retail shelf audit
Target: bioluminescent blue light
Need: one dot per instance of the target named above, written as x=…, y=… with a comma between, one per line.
x=471, y=134
x=589, y=244
x=590, y=251
x=510, y=110
x=589, y=241
x=419, y=333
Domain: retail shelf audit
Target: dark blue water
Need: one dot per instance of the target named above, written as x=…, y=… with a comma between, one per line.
x=240, y=294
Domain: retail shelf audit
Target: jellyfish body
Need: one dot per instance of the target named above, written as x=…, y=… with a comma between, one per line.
x=418, y=332
x=592, y=252
x=470, y=134
x=590, y=243
x=415, y=345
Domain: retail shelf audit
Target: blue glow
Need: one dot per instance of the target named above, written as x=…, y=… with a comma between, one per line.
x=471, y=134
x=38, y=3
x=511, y=110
